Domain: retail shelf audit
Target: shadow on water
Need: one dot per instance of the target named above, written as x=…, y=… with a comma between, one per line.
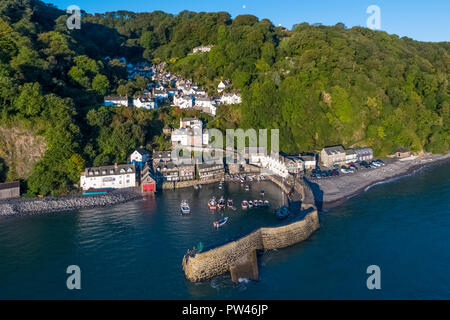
x=317, y=193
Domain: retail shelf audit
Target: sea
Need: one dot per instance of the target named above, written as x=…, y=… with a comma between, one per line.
x=134, y=250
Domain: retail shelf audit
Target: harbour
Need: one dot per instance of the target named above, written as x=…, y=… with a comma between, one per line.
x=119, y=249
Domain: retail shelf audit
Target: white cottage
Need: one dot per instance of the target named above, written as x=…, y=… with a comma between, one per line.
x=116, y=177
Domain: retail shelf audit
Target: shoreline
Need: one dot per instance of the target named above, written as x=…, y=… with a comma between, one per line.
x=328, y=193
x=334, y=191
x=19, y=207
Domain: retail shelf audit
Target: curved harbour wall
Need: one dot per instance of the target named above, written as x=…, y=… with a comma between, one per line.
x=214, y=262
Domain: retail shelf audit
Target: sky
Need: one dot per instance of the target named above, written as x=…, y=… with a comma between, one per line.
x=424, y=20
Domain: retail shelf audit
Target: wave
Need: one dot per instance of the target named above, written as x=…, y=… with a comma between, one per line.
x=415, y=171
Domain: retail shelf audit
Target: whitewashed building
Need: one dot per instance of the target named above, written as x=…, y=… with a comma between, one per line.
x=274, y=165
x=223, y=85
x=116, y=177
x=182, y=101
x=309, y=161
x=364, y=154
x=139, y=157
x=350, y=156
x=190, y=133
x=111, y=101
x=202, y=49
x=231, y=98
x=204, y=102
x=145, y=103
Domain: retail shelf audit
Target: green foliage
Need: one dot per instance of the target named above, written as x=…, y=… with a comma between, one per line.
x=100, y=84
x=318, y=85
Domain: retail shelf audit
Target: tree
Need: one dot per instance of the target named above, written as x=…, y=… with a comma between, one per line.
x=30, y=101
x=75, y=166
x=100, y=84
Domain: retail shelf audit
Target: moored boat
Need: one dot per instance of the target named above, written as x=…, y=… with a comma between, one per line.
x=250, y=204
x=230, y=203
x=185, y=209
x=266, y=203
x=212, y=204
x=245, y=204
x=282, y=212
x=220, y=223
x=221, y=203
x=247, y=188
x=262, y=193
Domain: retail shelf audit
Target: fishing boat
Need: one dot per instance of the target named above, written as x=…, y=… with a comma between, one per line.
x=260, y=203
x=212, y=204
x=255, y=203
x=230, y=203
x=282, y=212
x=221, y=203
x=185, y=209
x=247, y=188
x=262, y=193
x=221, y=222
x=244, y=204
x=266, y=203
x=220, y=187
x=250, y=204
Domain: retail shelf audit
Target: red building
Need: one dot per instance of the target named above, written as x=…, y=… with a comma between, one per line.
x=148, y=184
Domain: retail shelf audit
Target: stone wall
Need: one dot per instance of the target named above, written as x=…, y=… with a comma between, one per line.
x=217, y=261
x=190, y=183
x=205, y=265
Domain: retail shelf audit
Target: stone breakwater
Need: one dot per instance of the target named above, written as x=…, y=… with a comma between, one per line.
x=205, y=265
x=26, y=206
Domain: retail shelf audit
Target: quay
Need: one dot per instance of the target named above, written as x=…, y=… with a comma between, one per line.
x=239, y=257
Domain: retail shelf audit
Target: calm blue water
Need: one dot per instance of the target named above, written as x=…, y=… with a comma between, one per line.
x=135, y=250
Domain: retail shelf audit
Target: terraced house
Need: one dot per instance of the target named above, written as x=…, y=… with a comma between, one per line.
x=116, y=177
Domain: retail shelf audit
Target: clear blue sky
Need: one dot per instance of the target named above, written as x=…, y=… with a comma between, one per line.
x=425, y=20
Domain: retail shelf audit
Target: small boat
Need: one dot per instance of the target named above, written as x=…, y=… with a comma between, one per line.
x=250, y=204
x=247, y=188
x=221, y=203
x=282, y=212
x=196, y=187
x=262, y=193
x=220, y=187
x=255, y=203
x=260, y=203
x=212, y=204
x=244, y=204
x=185, y=209
x=266, y=203
x=220, y=223
x=230, y=203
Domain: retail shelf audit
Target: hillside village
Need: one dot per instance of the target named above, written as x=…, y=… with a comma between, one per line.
x=167, y=89
x=155, y=170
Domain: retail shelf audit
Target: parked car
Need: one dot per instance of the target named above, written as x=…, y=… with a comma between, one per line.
x=373, y=165
x=344, y=169
x=364, y=164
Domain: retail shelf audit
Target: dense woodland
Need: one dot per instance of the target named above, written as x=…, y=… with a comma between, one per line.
x=320, y=85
